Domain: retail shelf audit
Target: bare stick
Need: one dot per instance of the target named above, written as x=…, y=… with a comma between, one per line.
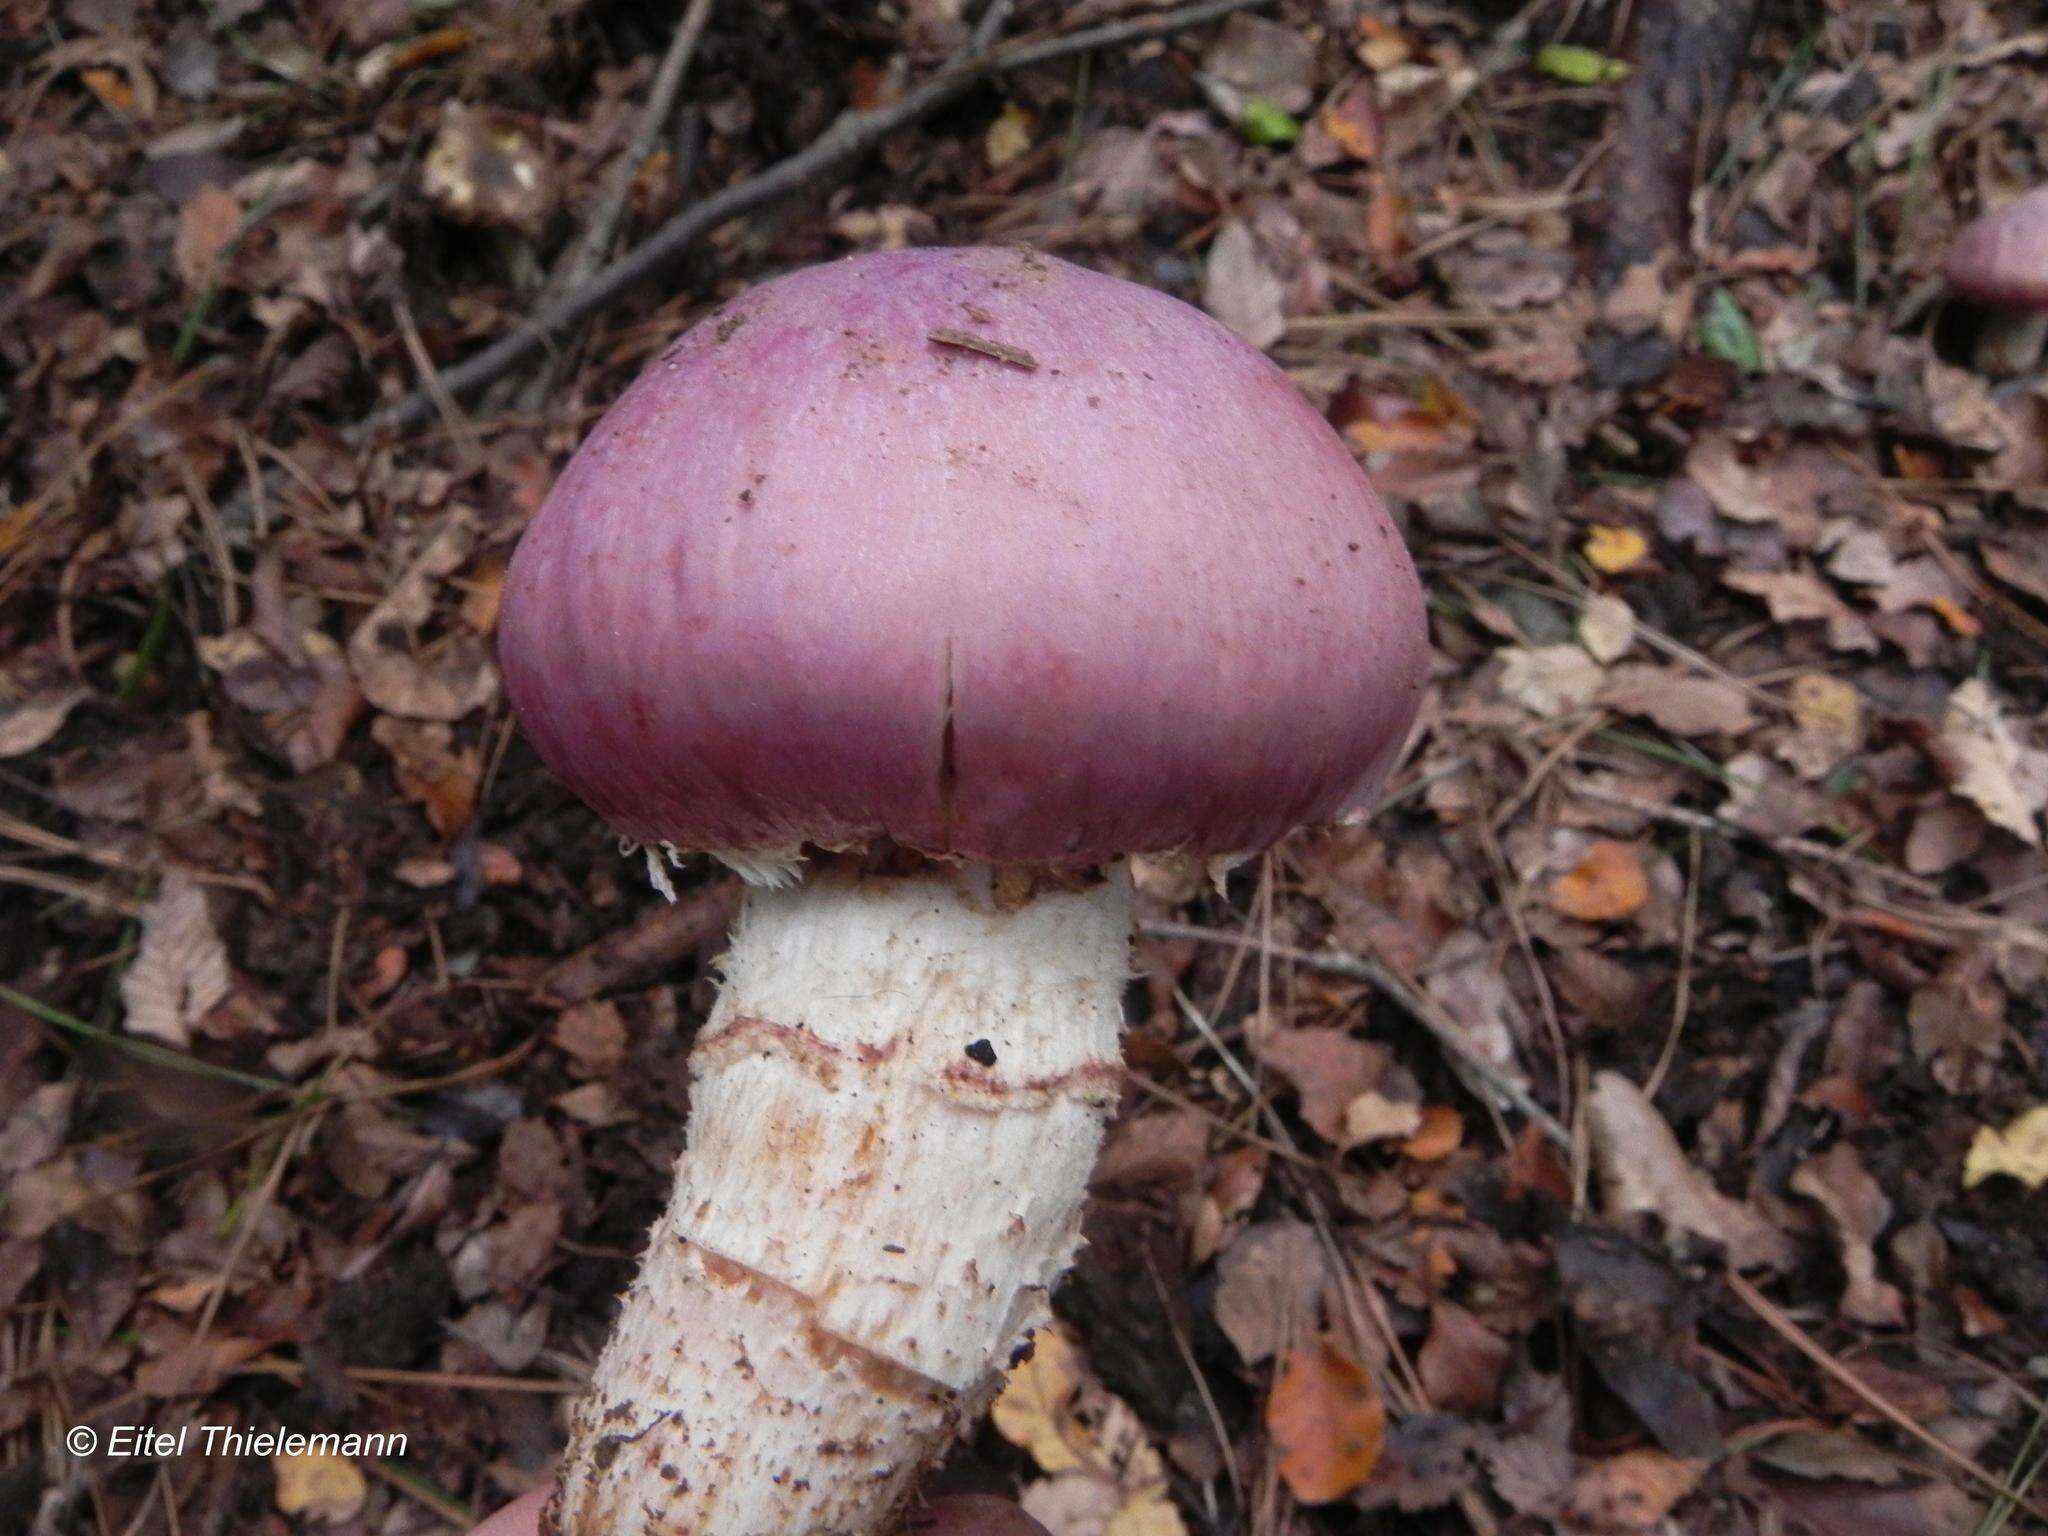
x=588, y=254
x=851, y=136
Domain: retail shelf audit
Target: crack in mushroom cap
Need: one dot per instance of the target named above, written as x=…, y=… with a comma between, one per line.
x=1107, y=585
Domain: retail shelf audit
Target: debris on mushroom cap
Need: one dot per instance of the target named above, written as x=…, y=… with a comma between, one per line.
x=827, y=571
x=2002, y=258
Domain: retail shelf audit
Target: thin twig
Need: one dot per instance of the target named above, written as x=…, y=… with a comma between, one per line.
x=1775, y=1319
x=586, y=257
x=850, y=137
x=1412, y=999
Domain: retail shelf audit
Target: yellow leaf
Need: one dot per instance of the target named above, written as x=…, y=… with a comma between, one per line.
x=1008, y=137
x=1606, y=885
x=1036, y=1408
x=319, y=1485
x=1612, y=550
x=1327, y=1422
x=2020, y=1151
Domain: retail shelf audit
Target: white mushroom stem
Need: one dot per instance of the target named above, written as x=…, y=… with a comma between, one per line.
x=896, y=1106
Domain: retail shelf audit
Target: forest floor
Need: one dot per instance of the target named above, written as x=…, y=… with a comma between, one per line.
x=1635, y=1125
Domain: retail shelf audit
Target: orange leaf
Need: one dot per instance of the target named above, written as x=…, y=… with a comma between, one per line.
x=1442, y=1131
x=1629, y=1492
x=1608, y=883
x=1326, y=1420
x=1353, y=122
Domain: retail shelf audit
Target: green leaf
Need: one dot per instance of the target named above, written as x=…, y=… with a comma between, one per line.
x=1579, y=66
x=1264, y=123
x=1725, y=332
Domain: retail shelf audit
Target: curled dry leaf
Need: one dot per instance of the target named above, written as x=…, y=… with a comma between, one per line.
x=1859, y=1211
x=445, y=682
x=1326, y=1420
x=431, y=769
x=1642, y=1169
x=180, y=971
x=1988, y=765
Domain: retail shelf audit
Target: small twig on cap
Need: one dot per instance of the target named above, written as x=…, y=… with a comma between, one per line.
x=850, y=137
x=967, y=341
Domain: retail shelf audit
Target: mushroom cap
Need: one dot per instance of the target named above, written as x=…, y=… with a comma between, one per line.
x=822, y=574
x=2002, y=256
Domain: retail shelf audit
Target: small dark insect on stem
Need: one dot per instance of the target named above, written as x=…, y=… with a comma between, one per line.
x=1016, y=357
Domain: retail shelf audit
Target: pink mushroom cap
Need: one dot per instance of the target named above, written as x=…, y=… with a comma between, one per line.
x=823, y=574
x=2002, y=257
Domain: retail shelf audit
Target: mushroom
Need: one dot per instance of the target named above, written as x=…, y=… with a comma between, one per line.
x=2001, y=259
x=924, y=588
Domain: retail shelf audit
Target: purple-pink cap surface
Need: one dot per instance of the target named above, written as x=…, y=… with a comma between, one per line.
x=827, y=571
x=2002, y=258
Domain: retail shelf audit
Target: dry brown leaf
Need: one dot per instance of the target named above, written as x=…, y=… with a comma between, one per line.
x=1606, y=885
x=431, y=770
x=1549, y=679
x=180, y=970
x=457, y=675
x=1326, y=1420
x=1859, y=1210
x=1683, y=703
x=1629, y=1492
x=1990, y=767
x=1642, y=1169
x=1795, y=596
x=1328, y=1069
x=594, y=1037
x=1828, y=714
x=26, y=724
x=1240, y=288
x=207, y=222
x=1462, y=1361
x=1267, y=1285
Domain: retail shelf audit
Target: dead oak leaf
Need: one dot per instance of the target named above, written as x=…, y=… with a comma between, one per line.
x=1327, y=1422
